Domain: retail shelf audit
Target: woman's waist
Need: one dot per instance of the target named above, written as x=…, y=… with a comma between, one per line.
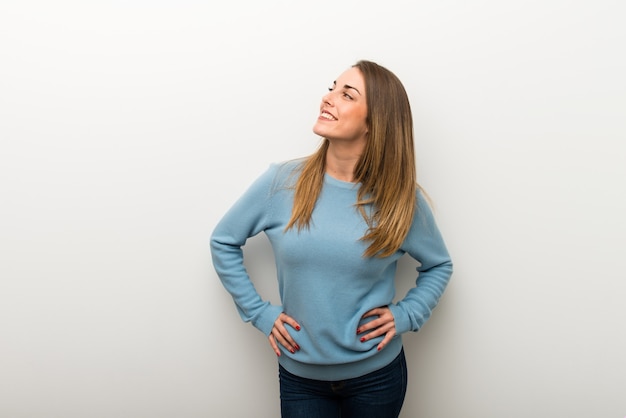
x=322, y=359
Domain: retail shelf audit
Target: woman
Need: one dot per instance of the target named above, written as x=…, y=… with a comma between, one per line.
x=338, y=221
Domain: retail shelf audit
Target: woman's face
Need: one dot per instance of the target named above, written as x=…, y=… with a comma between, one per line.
x=343, y=111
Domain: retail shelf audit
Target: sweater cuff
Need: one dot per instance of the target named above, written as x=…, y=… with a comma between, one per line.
x=266, y=320
x=400, y=318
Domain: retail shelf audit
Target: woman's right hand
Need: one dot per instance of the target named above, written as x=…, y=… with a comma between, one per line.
x=280, y=335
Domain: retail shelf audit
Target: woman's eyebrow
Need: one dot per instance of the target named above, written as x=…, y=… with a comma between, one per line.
x=347, y=86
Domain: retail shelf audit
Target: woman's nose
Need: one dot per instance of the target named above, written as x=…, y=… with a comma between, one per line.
x=327, y=99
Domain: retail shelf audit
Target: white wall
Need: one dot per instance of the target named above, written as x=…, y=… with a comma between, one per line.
x=127, y=128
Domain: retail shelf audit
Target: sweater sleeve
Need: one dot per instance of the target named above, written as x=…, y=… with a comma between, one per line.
x=246, y=218
x=425, y=244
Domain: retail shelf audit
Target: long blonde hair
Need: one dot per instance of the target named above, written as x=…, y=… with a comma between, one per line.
x=386, y=169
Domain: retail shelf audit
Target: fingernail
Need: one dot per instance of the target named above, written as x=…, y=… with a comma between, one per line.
x=297, y=347
x=362, y=339
x=358, y=330
x=292, y=350
x=379, y=348
x=297, y=327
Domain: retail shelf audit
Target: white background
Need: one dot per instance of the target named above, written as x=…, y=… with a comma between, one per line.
x=128, y=128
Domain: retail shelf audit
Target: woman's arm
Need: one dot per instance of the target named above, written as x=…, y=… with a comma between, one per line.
x=246, y=218
x=425, y=244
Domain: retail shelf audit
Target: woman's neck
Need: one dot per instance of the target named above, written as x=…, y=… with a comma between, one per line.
x=341, y=161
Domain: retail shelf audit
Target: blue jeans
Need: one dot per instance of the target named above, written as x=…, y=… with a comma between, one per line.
x=379, y=394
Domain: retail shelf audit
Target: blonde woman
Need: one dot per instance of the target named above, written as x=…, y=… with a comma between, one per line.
x=338, y=221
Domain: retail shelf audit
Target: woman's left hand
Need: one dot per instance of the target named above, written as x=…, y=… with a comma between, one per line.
x=384, y=325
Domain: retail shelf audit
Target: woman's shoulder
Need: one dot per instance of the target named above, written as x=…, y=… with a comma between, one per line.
x=422, y=198
x=283, y=171
x=287, y=165
x=281, y=174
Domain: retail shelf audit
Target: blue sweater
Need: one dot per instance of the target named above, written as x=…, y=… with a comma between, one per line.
x=324, y=281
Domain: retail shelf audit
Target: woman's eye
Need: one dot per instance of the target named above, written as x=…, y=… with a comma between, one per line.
x=347, y=96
